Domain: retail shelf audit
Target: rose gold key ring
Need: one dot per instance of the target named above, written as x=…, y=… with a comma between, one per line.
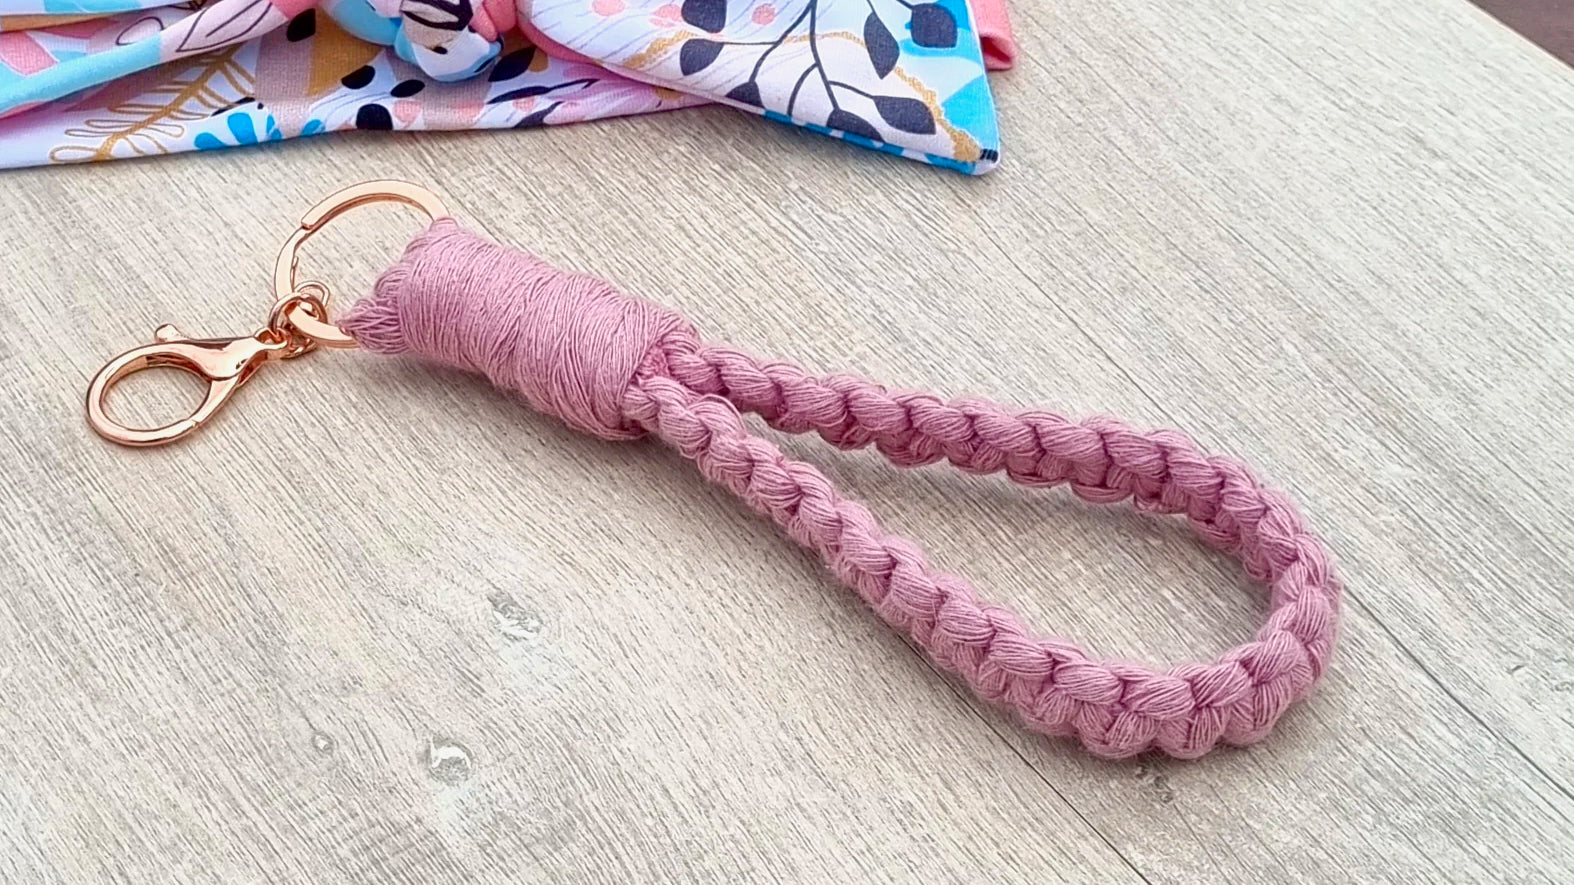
x=386, y=191
x=297, y=324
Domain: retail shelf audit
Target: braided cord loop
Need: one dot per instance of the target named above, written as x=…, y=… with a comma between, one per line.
x=619, y=367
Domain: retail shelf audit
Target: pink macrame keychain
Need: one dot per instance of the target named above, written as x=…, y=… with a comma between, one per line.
x=620, y=367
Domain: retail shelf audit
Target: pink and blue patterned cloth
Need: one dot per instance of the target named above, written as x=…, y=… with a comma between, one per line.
x=84, y=80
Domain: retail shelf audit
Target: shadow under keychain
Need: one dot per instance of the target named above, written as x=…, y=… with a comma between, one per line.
x=619, y=367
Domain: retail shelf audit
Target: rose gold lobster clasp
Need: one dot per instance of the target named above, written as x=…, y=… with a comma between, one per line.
x=224, y=363
x=297, y=324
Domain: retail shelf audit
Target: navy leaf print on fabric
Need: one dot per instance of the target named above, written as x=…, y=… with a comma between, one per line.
x=882, y=47
x=852, y=124
x=933, y=26
x=707, y=15
x=373, y=116
x=301, y=26
x=512, y=65
x=522, y=92
x=359, y=78
x=538, y=118
x=892, y=114
x=906, y=114
x=697, y=54
x=533, y=91
x=746, y=93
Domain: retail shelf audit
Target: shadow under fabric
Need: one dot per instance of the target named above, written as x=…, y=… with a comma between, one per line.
x=87, y=80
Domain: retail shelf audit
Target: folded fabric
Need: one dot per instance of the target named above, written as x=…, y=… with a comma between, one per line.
x=99, y=79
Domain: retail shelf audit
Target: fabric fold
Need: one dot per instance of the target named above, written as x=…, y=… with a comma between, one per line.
x=84, y=80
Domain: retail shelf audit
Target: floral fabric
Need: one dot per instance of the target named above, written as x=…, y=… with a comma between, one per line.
x=84, y=80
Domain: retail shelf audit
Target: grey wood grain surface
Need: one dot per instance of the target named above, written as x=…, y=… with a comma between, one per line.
x=382, y=624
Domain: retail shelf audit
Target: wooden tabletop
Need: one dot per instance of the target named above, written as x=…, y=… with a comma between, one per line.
x=382, y=624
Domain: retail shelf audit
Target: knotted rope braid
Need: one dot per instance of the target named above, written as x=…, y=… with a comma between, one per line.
x=620, y=367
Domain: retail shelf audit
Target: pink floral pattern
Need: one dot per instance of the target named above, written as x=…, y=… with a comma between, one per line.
x=84, y=80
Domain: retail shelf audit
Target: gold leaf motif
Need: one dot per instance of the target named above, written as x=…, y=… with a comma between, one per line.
x=144, y=124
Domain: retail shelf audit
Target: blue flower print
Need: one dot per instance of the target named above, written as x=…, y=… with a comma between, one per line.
x=243, y=131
